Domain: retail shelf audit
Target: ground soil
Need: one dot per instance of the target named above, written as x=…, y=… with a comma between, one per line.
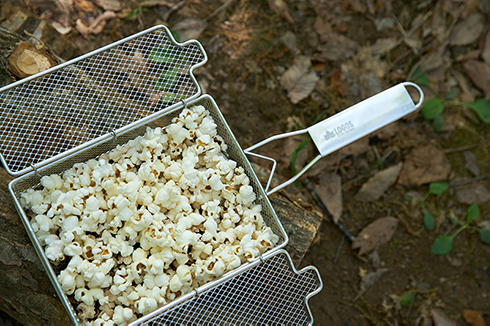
x=244, y=74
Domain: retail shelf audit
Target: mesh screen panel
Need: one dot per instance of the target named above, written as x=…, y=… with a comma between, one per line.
x=95, y=95
x=234, y=152
x=271, y=293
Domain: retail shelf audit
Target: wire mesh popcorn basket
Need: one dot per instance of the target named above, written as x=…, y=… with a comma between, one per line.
x=85, y=107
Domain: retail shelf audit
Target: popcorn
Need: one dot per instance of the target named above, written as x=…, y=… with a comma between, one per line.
x=149, y=221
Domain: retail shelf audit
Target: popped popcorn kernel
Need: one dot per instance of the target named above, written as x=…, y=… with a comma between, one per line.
x=149, y=221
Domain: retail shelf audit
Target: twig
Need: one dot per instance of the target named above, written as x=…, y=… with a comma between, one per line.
x=408, y=227
x=469, y=181
x=411, y=305
x=325, y=210
x=172, y=9
x=460, y=149
x=338, y=250
x=220, y=9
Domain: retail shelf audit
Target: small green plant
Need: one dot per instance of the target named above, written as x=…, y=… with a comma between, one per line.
x=136, y=13
x=303, y=144
x=433, y=108
x=435, y=188
x=170, y=77
x=407, y=298
x=443, y=244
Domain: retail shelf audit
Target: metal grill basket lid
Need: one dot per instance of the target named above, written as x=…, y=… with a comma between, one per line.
x=91, y=98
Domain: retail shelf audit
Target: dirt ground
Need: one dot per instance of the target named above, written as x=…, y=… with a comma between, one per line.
x=276, y=66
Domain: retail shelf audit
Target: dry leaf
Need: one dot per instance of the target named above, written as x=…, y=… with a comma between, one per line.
x=423, y=165
x=85, y=6
x=330, y=192
x=468, y=31
x=472, y=317
x=61, y=29
x=152, y=3
x=190, y=28
x=479, y=73
x=368, y=280
x=383, y=45
x=376, y=186
x=375, y=234
x=113, y=5
x=470, y=163
x=322, y=27
x=440, y=318
x=97, y=26
x=387, y=132
x=299, y=80
x=337, y=47
x=476, y=194
x=485, y=55
x=281, y=8
x=358, y=147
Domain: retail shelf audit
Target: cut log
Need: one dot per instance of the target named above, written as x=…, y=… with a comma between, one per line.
x=22, y=54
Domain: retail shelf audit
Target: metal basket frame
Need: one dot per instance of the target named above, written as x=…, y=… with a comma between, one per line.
x=163, y=118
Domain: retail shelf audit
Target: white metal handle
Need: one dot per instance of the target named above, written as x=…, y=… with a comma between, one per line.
x=350, y=125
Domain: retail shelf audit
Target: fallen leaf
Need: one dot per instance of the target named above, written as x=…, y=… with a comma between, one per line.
x=467, y=95
x=364, y=75
x=376, y=186
x=358, y=6
x=358, y=147
x=470, y=163
x=281, y=8
x=368, y=280
x=485, y=55
x=189, y=28
x=375, y=234
x=113, y=5
x=61, y=29
x=440, y=318
x=423, y=165
x=330, y=192
x=97, y=26
x=468, y=31
x=85, y=6
x=477, y=194
x=479, y=73
x=152, y=3
x=299, y=80
x=387, y=132
x=337, y=47
x=383, y=45
x=473, y=317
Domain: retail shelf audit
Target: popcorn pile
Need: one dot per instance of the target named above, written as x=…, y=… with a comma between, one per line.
x=149, y=221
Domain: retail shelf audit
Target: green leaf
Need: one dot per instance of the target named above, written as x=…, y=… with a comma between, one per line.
x=438, y=187
x=473, y=213
x=407, y=197
x=406, y=298
x=165, y=55
x=451, y=95
x=438, y=121
x=176, y=36
x=442, y=245
x=485, y=236
x=168, y=79
x=421, y=78
x=429, y=221
x=432, y=108
x=161, y=54
x=482, y=109
x=295, y=155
